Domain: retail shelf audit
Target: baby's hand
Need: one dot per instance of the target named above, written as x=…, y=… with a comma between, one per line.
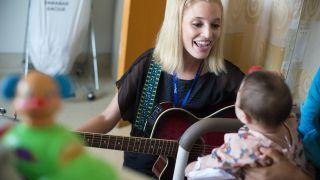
x=264, y=161
x=190, y=167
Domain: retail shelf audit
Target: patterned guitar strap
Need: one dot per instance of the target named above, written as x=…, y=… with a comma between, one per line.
x=148, y=95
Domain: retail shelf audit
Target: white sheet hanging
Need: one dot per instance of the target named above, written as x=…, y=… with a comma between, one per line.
x=57, y=32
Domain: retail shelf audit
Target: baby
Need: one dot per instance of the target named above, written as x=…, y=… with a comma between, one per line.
x=263, y=104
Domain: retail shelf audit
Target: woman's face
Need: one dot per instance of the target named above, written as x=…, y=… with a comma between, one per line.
x=201, y=28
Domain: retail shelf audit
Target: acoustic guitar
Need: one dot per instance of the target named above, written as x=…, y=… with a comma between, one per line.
x=163, y=134
x=163, y=130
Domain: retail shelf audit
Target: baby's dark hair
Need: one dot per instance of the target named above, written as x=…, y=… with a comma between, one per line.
x=265, y=97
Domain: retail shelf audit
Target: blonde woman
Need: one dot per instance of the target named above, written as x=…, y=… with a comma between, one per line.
x=193, y=74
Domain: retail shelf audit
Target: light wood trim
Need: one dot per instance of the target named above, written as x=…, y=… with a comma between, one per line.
x=124, y=37
x=141, y=22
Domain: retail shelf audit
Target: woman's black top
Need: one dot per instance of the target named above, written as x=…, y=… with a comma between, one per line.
x=210, y=90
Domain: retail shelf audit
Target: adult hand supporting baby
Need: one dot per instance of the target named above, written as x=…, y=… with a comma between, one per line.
x=281, y=168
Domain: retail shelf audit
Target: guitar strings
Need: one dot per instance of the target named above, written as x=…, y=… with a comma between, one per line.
x=126, y=142
x=156, y=141
x=201, y=148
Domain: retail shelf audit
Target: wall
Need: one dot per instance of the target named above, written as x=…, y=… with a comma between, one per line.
x=13, y=23
x=140, y=25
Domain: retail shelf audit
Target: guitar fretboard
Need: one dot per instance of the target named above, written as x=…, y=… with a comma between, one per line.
x=133, y=144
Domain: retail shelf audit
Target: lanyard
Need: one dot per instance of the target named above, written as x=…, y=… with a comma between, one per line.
x=175, y=88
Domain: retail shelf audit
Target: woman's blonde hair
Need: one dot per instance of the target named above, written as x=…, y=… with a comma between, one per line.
x=169, y=47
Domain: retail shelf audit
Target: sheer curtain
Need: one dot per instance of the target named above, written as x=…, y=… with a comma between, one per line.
x=276, y=34
x=305, y=56
x=257, y=32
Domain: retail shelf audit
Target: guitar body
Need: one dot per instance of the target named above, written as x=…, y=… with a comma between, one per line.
x=163, y=130
x=170, y=125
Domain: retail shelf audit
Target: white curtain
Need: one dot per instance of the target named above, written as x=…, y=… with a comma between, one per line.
x=257, y=32
x=57, y=32
x=305, y=57
x=277, y=34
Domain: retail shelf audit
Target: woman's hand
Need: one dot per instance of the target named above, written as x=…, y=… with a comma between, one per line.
x=280, y=169
x=104, y=122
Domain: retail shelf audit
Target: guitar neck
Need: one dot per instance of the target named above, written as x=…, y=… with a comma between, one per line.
x=133, y=144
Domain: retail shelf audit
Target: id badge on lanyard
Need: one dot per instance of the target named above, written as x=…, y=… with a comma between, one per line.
x=175, y=88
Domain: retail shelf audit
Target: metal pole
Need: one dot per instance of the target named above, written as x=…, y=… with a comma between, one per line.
x=181, y=163
x=94, y=52
x=26, y=42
